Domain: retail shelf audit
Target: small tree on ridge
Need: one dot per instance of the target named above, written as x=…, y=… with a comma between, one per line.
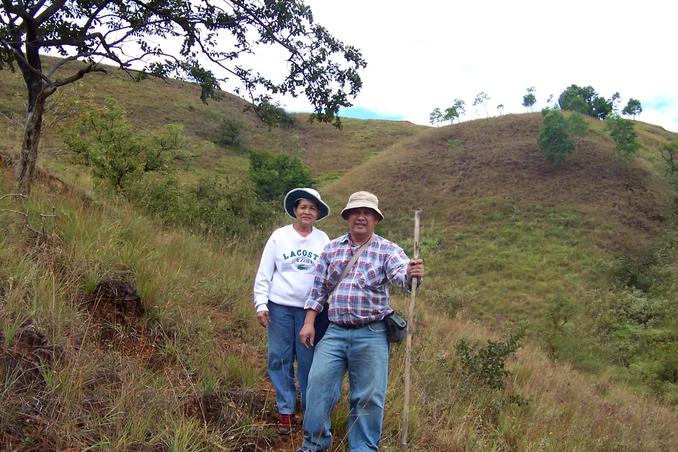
x=529, y=99
x=554, y=140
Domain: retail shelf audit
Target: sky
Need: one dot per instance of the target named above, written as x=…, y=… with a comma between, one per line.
x=424, y=54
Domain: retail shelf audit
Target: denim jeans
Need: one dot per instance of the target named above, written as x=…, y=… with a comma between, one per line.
x=363, y=353
x=283, y=347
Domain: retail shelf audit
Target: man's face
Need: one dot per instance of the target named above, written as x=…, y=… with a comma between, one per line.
x=361, y=221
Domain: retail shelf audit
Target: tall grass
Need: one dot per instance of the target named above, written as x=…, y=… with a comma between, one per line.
x=505, y=240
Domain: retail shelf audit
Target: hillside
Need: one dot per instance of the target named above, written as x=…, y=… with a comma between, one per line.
x=153, y=102
x=583, y=255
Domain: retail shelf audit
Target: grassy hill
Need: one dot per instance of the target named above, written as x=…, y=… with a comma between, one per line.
x=582, y=254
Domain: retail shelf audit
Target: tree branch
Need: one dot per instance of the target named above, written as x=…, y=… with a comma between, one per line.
x=49, y=12
x=91, y=67
x=21, y=59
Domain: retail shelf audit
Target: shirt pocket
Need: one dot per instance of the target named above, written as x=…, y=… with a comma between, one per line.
x=334, y=270
x=371, y=276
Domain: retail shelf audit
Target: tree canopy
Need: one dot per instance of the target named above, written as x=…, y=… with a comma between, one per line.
x=586, y=100
x=624, y=136
x=554, y=139
x=202, y=41
x=529, y=99
x=633, y=108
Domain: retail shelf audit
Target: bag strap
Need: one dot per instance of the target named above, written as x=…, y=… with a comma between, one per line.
x=350, y=264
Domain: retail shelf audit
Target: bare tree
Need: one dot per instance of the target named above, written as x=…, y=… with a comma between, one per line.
x=481, y=99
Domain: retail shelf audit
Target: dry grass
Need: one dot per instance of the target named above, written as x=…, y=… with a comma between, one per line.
x=504, y=233
x=448, y=170
x=564, y=409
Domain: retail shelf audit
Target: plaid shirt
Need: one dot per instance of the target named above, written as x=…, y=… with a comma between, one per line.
x=362, y=297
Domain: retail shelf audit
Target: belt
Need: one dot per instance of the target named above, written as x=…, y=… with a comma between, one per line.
x=354, y=327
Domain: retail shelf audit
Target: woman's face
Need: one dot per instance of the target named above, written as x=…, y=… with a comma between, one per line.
x=306, y=212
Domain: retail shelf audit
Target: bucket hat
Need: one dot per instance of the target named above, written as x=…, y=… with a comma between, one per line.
x=362, y=199
x=296, y=194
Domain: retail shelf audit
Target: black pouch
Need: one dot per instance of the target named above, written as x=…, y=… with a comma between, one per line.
x=396, y=327
x=321, y=323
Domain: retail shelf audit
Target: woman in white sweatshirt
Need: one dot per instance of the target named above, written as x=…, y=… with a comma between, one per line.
x=283, y=281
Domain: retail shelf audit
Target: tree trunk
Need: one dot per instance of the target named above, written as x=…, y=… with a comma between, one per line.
x=25, y=168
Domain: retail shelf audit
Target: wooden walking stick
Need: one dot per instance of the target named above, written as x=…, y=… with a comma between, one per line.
x=408, y=340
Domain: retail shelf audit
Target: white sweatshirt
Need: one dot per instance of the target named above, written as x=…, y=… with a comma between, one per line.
x=287, y=267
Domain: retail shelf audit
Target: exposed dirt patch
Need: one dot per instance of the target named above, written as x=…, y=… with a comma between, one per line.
x=117, y=309
x=228, y=409
x=116, y=301
x=31, y=348
x=21, y=362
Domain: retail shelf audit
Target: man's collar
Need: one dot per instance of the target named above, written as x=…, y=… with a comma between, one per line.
x=347, y=239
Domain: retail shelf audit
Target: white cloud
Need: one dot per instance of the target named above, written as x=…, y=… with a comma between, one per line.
x=424, y=54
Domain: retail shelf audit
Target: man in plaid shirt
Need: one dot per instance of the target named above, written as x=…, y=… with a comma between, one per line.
x=355, y=341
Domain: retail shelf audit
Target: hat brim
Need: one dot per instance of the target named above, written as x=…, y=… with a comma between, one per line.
x=294, y=195
x=344, y=213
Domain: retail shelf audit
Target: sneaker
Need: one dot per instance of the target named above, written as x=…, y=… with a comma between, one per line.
x=285, y=424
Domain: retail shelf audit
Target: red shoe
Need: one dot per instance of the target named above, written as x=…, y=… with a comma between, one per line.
x=285, y=424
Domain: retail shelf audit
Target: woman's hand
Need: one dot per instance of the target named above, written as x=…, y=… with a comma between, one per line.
x=264, y=318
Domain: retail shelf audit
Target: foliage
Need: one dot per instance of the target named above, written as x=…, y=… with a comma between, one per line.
x=481, y=99
x=275, y=175
x=632, y=108
x=436, y=116
x=138, y=165
x=554, y=140
x=577, y=127
x=230, y=132
x=602, y=107
x=500, y=108
x=579, y=99
x=221, y=206
x=614, y=100
x=624, y=136
x=106, y=141
x=529, y=99
x=585, y=100
x=211, y=39
x=320, y=65
x=456, y=110
x=486, y=365
x=631, y=324
x=669, y=153
x=211, y=207
x=274, y=115
x=560, y=312
x=451, y=113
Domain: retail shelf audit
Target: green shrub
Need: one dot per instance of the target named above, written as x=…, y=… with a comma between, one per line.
x=554, y=140
x=230, y=133
x=560, y=312
x=624, y=136
x=275, y=175
x=486, y=365
x=274, y=115
x=222, y=207
x=116, y=151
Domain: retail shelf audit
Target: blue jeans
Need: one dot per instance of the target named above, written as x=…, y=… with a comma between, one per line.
x=283, y=347
x=363, y=353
